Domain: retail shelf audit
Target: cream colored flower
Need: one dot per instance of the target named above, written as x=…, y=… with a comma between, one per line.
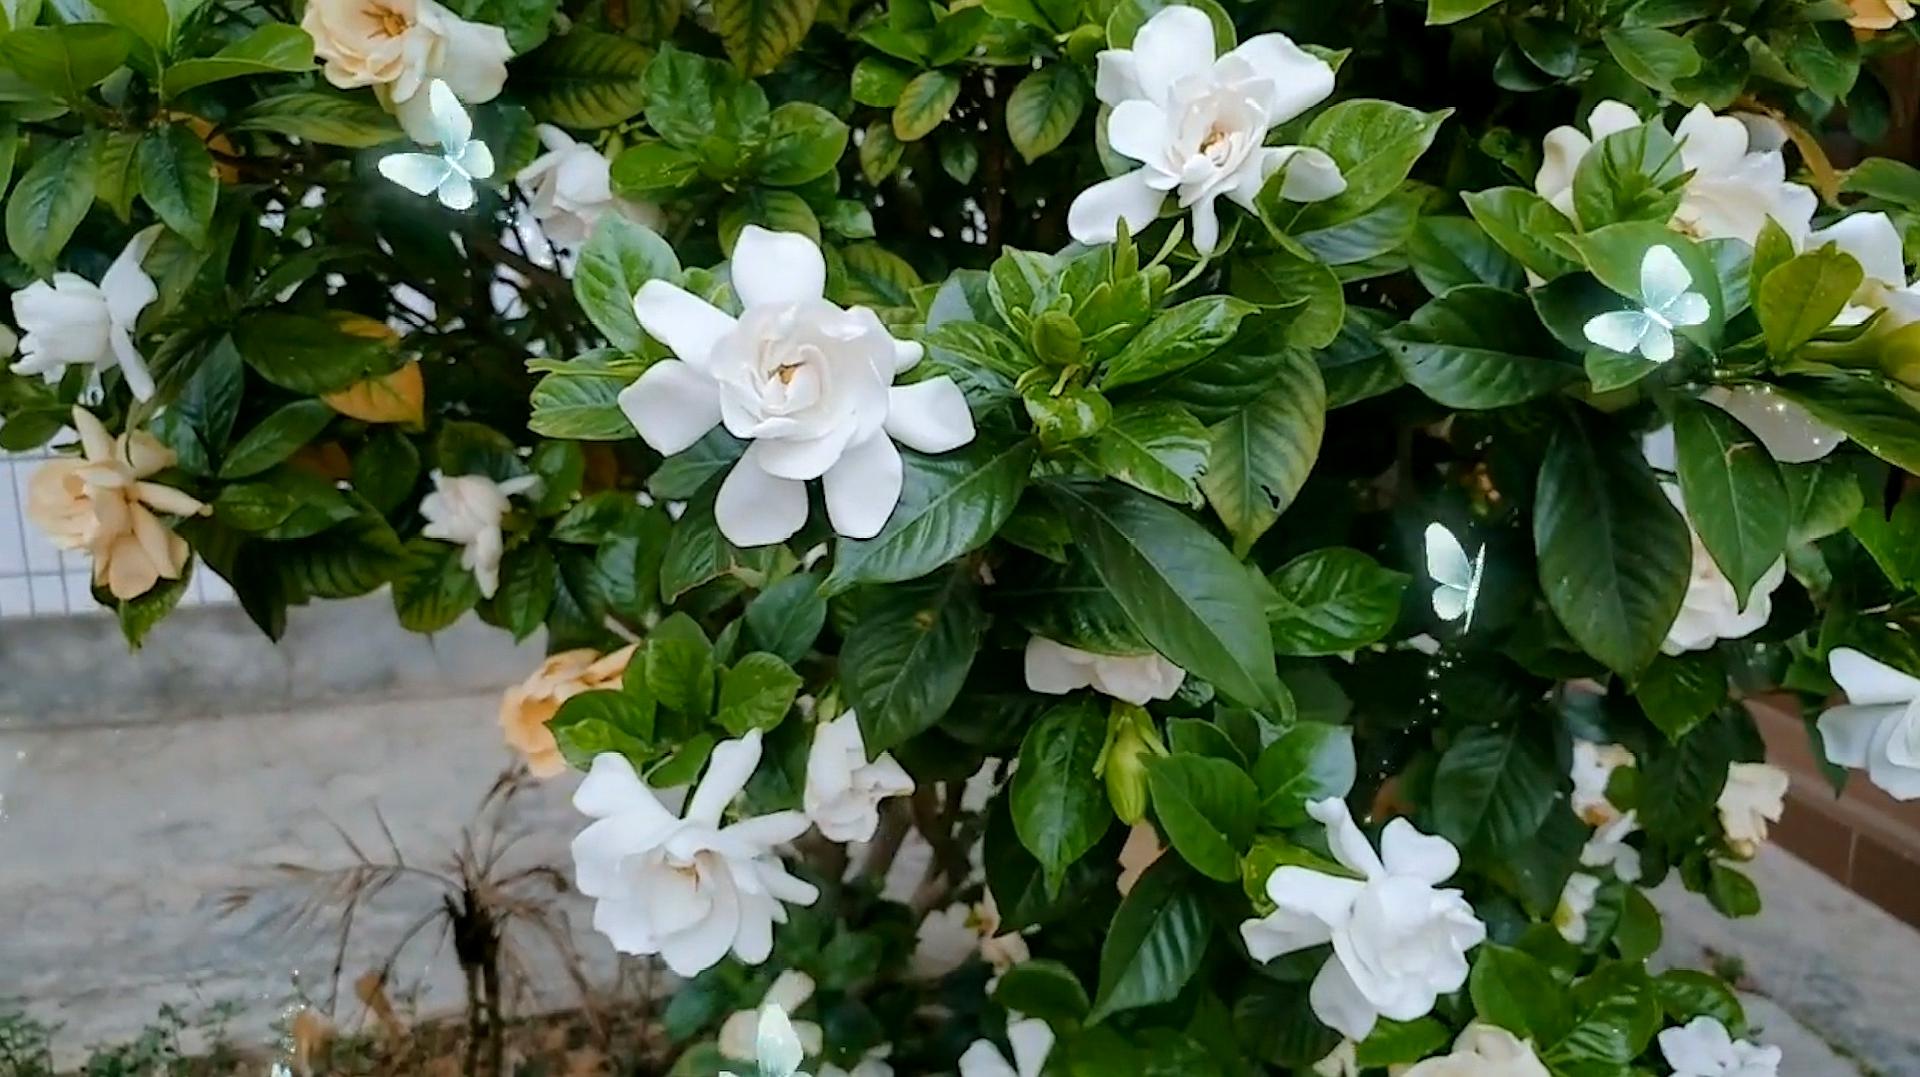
x=844, y=790
x=1198, y=125
x=71, y=321
x=1593, y=767
x=1608, y=848
x=948, y=937
x=1483, y=1051
x=1739, y=177
x=398, y=47
x=527, y=707
x=101, y=502
x=1879, y=14
x=1755, y=795
x=1878, y=728
x=467, y=510
x=569, y=188
x=1056, y=669
x=1577, y=899
x=688, y=887
x=810, y=384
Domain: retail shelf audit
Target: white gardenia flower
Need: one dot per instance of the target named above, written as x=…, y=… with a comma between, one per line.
x=1593, y=767
x=1704, y=1049
x=1483, y=1051
x=1755, y=795
x=844, y=791
x=1056, y=669
x=1198, y=126
x=1711, y=610
x=71, y=321
x=688, y=888
x=1399, y=942
x=1790, y=432
x=569, y=188
x=1878, y=728
x=808, y=383
x=948, y=937
x=398, y=47
x=1873, y=241
x=789, y=991
x=1739, y=180
x=1608, y=848
x=467, y=509
x=1032, y=1042
x=1577, y=899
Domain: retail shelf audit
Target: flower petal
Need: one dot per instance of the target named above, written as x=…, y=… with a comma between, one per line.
x=929, y=416
x=127, y=287
x=1562, y=151
x=1872, y=241
x=1032, y=1041
x=1338, y=1003
x=776, y=267
x=728, y=769
x=1138, y=129
x=864, y=487
x=1206, y=225
x=1427, y=857
x=1709, y=142
x=758, y=509
x=1868, y=681
x=1611, y=117
x=611, y=787
x=983, y=1059
x=1343, y=834
x=1054, y=668
x=1301, y=80
x=1096, y=213
x=687, y=324
x=1175, y=43
x=803, y=458
x=1312, y=175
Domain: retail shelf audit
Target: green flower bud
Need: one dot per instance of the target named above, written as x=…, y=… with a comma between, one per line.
x=1056, y=338
x=1132, y=741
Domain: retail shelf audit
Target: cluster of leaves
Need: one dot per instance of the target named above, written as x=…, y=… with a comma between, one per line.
x=1228, y=460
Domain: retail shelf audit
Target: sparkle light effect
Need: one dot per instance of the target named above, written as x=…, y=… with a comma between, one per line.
x=1664, y=284
x=449, y=174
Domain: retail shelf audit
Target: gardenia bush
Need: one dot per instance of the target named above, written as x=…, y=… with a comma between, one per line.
x=1076, y=536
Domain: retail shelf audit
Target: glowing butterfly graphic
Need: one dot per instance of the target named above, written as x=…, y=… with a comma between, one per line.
x=776, y=1047
x=450, y=173
x=1663, y=288
x=1456, y=580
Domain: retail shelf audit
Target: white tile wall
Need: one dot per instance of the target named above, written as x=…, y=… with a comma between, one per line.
x=38, y=580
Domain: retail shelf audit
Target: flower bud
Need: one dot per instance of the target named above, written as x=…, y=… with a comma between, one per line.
x=1132, y=741
x=1056, y=338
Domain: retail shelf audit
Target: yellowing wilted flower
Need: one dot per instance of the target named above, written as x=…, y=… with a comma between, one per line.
x=101, y=503
x=1878, y=14
x=527, y=707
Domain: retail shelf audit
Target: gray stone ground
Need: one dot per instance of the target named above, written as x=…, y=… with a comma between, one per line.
x=117, y=843
x=1839, y=978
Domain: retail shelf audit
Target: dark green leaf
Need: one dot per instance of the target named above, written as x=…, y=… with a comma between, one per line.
x=949, y=505
x=1260, y=455
x=1155, y=943
x=1060, y=807
x=905, y=660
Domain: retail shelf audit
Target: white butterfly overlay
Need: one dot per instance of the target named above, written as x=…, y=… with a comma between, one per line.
x=449, y=174
x=1664, y=281
x=776, y=1047
x=1456, y=580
